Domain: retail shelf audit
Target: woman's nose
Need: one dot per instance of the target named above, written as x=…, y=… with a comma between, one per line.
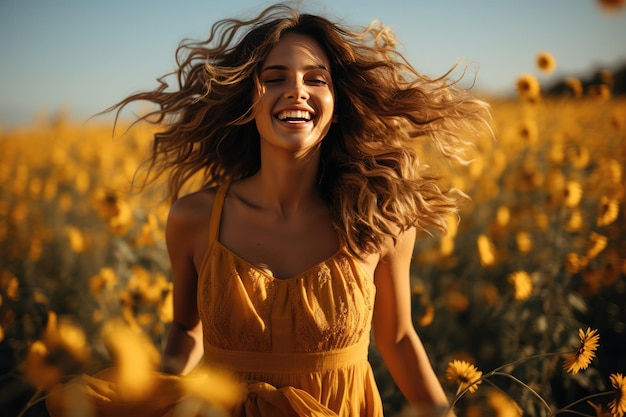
x=297, y=90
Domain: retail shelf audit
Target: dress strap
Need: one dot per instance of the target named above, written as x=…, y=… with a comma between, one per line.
x=216, y=213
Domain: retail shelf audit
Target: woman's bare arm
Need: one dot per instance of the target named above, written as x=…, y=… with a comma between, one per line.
x=394, y=333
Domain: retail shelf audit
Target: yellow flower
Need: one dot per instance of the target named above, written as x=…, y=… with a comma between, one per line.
x=464, y=374
x=573, y=193
x=213, y=386
x=618, y=405
x=523, y=285
x=575, y=85
x=528, y=87
x=457, y=301
x=575, y=221
x=486, y=251
x=546, y=62
x=600, y=92
x=574, y=263
x=76, y=239
x=609, y=211
x=136, y=359
x=61, y=351
x=596, y=244
x=524, y=242
x=426, y=317
x=611, y=5
x=503, y=405
x=528, y=131
x=581, y=358
x=503, y=215
x=13, y=288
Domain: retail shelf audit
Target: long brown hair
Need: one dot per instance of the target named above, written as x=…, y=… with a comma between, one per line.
x=370, y=174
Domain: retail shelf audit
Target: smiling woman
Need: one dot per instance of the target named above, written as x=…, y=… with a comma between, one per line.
x=299, y=241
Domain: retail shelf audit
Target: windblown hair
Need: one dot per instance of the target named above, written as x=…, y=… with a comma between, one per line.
x=369, y=173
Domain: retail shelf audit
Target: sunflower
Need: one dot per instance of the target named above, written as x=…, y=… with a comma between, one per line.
x=522, y=284
x=528, y=87
x=596, y=244
x=611, y=5
x=608, y=212
x=573, y=193
x=486, y=250
x=575, y=86
x=545, y=62
x=464, y=374
x=618, y=405
x=581, y=358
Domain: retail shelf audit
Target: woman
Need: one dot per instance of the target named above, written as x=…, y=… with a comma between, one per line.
x=305, y=135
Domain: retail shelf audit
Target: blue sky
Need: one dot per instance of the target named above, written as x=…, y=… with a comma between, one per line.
x=84, y=55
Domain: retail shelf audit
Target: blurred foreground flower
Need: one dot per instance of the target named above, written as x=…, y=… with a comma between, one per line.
x=135, y=359
x=62, y=351
x=618, y=405
x=581, y=358
x=213, y=388
x=503, y=405
x=464, y=374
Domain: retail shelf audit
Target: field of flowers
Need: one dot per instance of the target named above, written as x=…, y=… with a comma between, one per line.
x=539, y=253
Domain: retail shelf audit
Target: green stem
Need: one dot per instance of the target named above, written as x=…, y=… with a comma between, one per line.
x=588, y=397
x=524, y=359
x=33, y=400
x=525, y=386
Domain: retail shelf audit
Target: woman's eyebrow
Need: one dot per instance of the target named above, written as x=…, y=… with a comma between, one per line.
x=285, y=68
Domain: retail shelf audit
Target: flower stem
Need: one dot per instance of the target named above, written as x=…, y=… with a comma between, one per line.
x=33, y=400
x=566, y=409
x=525, y=386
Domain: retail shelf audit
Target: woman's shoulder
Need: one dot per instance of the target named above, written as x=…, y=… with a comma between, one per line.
x=192, y=210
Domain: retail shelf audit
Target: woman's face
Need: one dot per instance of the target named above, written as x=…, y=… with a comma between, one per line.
x=295, y=109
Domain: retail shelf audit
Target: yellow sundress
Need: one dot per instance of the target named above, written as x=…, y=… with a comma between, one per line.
x=298, y=345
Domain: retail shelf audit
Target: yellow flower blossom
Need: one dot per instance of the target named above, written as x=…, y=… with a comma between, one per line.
x=503, y=405
x=611, y=5
x=575, y=221
x=528, y=131
x=546, y=62
x=457, y=301
x=528, y=87
x=597, y=243
x=618, y=405
x=214, y=387
x=600, y=92
x=608, y=212
x=573, y=193
x=574, y=263
x=524, y=242
x=486, y=251
x=503, y=215
x=581, y=358
x=136, y=359
x=575, y=86
x=464, y=374
x=61, y=351
x=426, y=317
x=76, y=239
x=522, y=284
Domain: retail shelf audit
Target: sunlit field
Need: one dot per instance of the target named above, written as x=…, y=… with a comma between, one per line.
x=532, y=273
